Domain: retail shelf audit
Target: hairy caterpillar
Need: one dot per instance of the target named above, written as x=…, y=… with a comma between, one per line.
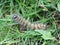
x=26, y=24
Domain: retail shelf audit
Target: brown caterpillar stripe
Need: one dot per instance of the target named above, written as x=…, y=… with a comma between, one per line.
x=28, y=24
x=37, y=26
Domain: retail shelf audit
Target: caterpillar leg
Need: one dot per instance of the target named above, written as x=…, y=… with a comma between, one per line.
x=21, y=28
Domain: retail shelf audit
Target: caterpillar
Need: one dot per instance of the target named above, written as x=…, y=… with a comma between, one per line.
x=27, y=24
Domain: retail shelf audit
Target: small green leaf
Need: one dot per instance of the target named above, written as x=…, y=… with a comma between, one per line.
x=50, y=43
x=59, y=41
x=45, y=34
x=58, y=7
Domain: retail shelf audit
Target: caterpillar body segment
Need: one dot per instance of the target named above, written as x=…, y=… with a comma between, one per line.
x=26, y=24
x=37, y=26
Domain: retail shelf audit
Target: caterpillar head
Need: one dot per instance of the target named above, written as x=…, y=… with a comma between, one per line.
x=18, y=19
x=15, y=16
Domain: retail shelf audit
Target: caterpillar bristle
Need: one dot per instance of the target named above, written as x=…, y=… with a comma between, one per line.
x=41, y=26
x=32, y=26
x=28, y=24
x=36, y=26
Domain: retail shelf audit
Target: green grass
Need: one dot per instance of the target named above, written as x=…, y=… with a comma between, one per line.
x=35, y=11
